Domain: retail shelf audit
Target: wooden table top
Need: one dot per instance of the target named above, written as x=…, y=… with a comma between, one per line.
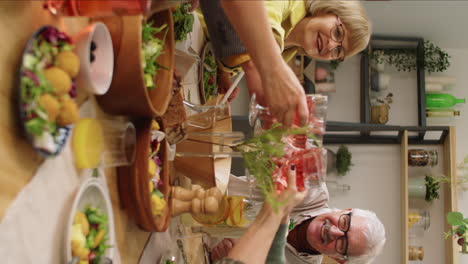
x=18, y=21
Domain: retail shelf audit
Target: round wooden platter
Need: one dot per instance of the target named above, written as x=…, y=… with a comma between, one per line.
x=134, y=182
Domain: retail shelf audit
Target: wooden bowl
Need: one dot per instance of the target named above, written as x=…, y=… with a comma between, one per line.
x=128, y=94
x=134, y=182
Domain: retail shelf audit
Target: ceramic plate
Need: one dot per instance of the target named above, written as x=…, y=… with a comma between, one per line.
x=47, y=138
x=208, y=73
x=92, y=193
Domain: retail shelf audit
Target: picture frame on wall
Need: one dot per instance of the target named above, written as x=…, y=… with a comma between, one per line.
x=322, y=75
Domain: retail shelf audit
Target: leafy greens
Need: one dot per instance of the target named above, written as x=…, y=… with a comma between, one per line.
x=209, y=76
x=259, y=154
x=183, y=22
x=152, y=48
x=40, y=55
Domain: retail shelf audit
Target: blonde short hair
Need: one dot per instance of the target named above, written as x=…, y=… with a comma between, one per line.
x=352, y=14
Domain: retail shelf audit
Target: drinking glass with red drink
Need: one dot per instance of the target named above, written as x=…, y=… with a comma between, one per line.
x=302, y=150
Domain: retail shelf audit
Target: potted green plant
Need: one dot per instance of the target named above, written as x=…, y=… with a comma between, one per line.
x=426, y=188
x=433, y=186
x=339, y=161
x=459, y=230
x=435, y=59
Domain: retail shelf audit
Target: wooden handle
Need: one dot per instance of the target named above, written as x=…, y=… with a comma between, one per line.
x=216, y=193
x=182, y=193
x=198, y=192
x=179, y=207
x=197, y=206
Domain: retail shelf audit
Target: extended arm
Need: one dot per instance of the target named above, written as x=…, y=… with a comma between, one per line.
x=283, y=91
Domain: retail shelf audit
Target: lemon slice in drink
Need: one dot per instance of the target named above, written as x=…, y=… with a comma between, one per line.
x=88, y=143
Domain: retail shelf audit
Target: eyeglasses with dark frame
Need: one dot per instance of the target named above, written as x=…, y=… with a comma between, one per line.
x=337, y=34
x=341, y=245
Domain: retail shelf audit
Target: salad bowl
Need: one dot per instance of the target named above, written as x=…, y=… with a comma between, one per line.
x=134, y=183
x=136, y=89
x=91, y=201
x=46, y=88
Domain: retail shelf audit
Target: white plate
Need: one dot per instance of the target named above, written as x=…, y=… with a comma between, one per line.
x=92, y=193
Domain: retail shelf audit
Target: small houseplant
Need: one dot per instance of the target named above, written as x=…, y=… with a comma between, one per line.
x=343, y=160
x=426, y=188
x=459, y=230
x=435, y=59
x=433, y=182
x=433, y=186
x=339, y=161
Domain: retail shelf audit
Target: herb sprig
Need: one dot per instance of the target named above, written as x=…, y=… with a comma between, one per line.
x=259, y=153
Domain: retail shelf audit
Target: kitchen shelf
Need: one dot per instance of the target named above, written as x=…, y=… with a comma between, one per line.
x=450, y=194
x=404, y=198
x=359, y=133
x=380, y=42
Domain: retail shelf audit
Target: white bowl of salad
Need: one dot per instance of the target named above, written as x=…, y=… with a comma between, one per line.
x=90, y=231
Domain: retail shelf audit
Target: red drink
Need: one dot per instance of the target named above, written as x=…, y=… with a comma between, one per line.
x=309, y=167
x=98, y=8
x=308, y=157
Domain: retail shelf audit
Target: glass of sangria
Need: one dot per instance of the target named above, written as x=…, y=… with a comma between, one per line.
x=305, y=151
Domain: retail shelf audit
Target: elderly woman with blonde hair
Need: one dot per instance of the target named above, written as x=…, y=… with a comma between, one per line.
x=321, y=29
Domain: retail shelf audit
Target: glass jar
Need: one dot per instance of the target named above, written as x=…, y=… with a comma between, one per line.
x=422, y=157
x=415, y=253
x=419, y=218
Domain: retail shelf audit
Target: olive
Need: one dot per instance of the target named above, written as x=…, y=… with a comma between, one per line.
x=93, y=46
x=92, y=57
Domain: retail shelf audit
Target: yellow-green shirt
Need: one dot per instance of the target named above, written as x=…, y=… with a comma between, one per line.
x=283, y=16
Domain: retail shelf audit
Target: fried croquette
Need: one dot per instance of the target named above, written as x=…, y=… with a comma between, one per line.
x=69, y=62
x=59, y=79
x=51, y=105
x=68, y=113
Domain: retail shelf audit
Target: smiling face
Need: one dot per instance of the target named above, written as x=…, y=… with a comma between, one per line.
x=317, y=41
x=323, y=234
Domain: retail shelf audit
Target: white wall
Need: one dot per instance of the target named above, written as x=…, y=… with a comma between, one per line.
x=443, y=22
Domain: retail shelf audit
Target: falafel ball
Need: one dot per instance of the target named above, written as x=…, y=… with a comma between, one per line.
x=59, y=79
x=69, y=62
x=51, y=105
x=68, y=113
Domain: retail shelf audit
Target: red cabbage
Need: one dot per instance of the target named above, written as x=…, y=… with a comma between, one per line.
x=31, y=75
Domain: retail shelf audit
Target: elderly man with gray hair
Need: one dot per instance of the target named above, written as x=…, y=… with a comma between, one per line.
x=352, y=236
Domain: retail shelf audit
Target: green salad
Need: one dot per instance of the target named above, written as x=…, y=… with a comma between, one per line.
x=44, y=49
x=152, y=47
x=89, y=235
x=47, y=87
x=183, y=22
x=209, y=76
